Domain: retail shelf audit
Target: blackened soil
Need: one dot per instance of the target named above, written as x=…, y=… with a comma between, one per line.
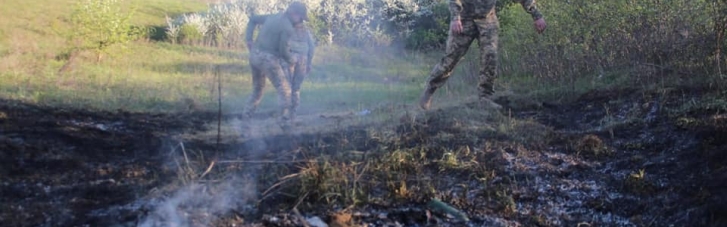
x=611, y=158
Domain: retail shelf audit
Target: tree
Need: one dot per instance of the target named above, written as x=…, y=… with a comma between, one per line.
x=97, y=25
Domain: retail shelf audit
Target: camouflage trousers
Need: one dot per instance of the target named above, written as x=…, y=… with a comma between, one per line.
x=268, y=65
x=298, y=73
x=486, y=32
x=286, y=78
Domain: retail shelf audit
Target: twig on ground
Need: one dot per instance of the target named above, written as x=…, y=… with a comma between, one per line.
x=186, y=159
x=259, y=161
x=300, y=200
x=297, y=213
x=209, y=168
x=283, y=180
x=219, y=110
x=302, y=219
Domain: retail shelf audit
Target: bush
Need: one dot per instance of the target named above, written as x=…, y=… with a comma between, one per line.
x=649, y=38
x=346, y=22
x=100, y=24
x=430, y=30
x=190, y=34
x=172, y=31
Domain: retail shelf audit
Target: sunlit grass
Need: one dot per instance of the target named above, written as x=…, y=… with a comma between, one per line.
x=161, y=77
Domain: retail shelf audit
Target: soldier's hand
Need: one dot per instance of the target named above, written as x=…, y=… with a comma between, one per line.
x=456, y=26
x=540, y=25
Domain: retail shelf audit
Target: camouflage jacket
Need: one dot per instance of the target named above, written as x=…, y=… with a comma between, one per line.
x=477, y=9
x=274, y=36
x=301, y=41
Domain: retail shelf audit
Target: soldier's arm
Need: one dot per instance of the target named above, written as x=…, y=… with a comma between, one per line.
x=252, y=24
x=455, y=9
x=529, y=6
x=285, y=34
x=311, y=46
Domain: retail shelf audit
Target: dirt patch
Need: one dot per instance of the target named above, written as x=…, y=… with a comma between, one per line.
x=612, y=158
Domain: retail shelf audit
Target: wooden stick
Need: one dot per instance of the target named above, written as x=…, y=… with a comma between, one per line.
x=259, y=162
x=219, y=110
x=302, y=219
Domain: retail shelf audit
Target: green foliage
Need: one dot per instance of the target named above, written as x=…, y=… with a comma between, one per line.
x=430, y=30
x=189, y=34
x=316, y=26
x=100, y=24
x=650, y=38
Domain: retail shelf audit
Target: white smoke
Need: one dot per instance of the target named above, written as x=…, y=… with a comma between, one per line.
x=200, y=204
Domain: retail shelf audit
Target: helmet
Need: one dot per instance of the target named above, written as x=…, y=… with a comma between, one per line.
x=298, y=8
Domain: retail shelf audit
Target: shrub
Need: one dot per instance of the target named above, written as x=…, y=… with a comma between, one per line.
x=227, y=23
x=99, y=24
x=347, y=22
x=190, y=34
x=173, y=30
x=649, y=38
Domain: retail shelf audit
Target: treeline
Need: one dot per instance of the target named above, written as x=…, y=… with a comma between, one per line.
x=584, y=37
x=343, y=22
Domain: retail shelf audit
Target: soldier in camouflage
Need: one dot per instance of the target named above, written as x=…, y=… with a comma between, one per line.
x=470, y=20
x=302, y=46
x=271, y=55
x=302, y=49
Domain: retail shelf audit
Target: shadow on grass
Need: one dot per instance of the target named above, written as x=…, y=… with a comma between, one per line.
x=158, y=33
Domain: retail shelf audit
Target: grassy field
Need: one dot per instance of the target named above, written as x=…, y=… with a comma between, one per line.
x=159, y=76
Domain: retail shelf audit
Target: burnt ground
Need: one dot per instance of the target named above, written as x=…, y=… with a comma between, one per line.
x=611, y=158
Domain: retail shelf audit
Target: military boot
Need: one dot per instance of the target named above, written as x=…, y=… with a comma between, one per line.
x=292, y=115
x=284, y=120
x=487, y=91
x=485, y=100
x=425, y=102
x=487, y=103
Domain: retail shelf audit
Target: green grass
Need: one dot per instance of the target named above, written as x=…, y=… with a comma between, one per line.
x=158, y=76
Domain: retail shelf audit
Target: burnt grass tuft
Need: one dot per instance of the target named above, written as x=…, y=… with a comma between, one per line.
x=598, y=161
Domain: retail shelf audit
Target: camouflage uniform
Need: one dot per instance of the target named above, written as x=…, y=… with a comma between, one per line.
x=479, y=21
x=271, y=57
x=302, y=47
x=265, y=64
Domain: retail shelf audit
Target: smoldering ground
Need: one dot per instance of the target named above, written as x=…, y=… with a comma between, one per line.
x=200, y=204
x=530, y=167
x=362, y=154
